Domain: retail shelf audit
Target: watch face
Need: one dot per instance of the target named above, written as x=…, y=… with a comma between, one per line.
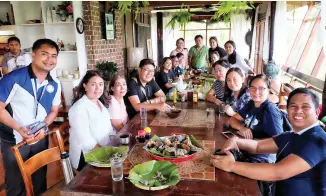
x=80, y=25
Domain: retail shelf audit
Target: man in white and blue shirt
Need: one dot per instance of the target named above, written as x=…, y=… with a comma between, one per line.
x=33, y=96
x=300, y=167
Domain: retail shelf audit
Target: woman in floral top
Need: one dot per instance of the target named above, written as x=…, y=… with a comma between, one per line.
x=236, y=95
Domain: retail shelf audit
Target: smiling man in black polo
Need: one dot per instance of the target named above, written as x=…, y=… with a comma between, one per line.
x=143, y=91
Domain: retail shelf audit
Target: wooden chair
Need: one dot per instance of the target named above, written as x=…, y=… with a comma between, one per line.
x=285, y=91
x=64, y=131
x=39, y=160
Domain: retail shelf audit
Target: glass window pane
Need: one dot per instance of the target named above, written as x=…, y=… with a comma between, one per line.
x=322, y=71
x=312, y=55
x=221, y=35
x=306, y=30
x=217, y=25
x=196, y=25
x=190, y=37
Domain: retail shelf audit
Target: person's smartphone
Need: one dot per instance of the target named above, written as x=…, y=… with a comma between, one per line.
x=228, y=134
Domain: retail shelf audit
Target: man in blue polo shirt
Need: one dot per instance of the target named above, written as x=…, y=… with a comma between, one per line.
x=34, y=96
x=300, y=168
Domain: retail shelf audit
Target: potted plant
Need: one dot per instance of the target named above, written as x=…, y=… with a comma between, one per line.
x=182, y=17
x=108, y=69
x=227, y=8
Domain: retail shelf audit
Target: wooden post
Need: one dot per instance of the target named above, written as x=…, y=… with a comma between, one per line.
x=159, y=16
x=323, y=111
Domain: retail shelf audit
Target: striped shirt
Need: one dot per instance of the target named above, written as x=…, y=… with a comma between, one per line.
x=218, y=89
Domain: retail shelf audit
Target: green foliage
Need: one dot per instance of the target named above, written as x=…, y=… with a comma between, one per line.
x=181, y=18
x=108, y=69
x=227, y=8
x=128, y=6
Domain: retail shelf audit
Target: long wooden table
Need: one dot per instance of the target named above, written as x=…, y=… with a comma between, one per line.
x=93, y=181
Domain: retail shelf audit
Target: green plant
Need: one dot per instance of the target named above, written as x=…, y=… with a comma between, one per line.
x=181, y=17
x=227, y=8
x=108, y=69
x=128, y=6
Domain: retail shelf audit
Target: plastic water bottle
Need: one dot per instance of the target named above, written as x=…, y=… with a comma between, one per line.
x=66, y=167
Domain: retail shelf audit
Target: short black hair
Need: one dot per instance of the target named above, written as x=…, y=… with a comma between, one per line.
x=198, y=36
x=173, y=56
x=223, y=62
x=263, y=77
x=146, y=62
x=180, y=54
x=232, y=43
x=179, y=39
x=38, y=44
x=307, y=91
x=13, y=39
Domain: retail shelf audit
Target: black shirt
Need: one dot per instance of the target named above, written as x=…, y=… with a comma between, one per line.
x=218, y=49
x=162, y=78
x=134, y=88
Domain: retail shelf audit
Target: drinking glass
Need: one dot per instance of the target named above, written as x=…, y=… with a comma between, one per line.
x=221, y=108
x=210, y=118
x=143, y=113
x=116, y=169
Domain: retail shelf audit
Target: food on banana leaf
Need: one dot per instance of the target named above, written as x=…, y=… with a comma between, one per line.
x=173, y=146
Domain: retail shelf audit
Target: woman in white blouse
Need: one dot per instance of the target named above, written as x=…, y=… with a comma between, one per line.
x=116, y=104
x=88, y=119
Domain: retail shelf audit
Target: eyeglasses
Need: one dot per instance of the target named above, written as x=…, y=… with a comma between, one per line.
x=151, y=71
x=254, y=89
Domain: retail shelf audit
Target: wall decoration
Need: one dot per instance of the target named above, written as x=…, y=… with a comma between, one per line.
x=110, y=26
x=80, y=25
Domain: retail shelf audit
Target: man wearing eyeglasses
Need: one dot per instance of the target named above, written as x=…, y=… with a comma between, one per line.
x=34, y=96
x=143, y=91
x=300, y=167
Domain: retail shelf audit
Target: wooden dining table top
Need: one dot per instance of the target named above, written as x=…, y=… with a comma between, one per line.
x=94, y=181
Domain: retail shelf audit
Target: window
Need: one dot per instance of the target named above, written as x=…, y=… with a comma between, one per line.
x=207, y=29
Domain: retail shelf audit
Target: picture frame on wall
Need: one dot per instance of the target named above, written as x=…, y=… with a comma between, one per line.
x=80, y=25
x=110, y=26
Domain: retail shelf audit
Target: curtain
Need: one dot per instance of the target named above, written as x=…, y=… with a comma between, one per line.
x=280, y=33
x=239, y=28
x=169, y=36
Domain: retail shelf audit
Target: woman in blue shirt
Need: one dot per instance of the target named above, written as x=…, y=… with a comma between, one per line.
x=236, y=94
x=259, y=118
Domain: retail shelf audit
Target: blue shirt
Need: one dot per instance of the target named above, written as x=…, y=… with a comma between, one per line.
x=18, y=89
x=240, y=103
x=264, y=122
x=177, y=71
x=311, y=147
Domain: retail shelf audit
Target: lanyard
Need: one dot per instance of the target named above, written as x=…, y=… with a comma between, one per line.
x=37, y=101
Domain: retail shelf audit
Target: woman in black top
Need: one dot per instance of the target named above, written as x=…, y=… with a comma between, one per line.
x=215, y=48
x=164, y=77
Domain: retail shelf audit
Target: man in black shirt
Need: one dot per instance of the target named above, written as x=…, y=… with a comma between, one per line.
x=143, y=91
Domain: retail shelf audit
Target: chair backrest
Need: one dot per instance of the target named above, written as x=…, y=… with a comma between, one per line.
x=28, y=167
x=64, y=131
x=283, y=94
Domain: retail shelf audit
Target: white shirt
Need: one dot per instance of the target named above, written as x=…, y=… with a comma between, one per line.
x=118, y=110
x=88, y=126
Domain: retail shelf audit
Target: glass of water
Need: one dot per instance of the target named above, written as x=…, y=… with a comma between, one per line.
x=116, y=169
x=221, y=108
x=210, y=118
x=143, y=113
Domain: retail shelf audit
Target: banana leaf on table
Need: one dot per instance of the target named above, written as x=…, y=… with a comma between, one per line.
x=144, y=175
x=101, y=156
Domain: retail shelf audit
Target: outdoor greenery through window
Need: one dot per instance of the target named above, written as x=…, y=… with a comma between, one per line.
x=206, y=28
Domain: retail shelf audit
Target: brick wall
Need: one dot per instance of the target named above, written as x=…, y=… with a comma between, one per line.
x=96, y=48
